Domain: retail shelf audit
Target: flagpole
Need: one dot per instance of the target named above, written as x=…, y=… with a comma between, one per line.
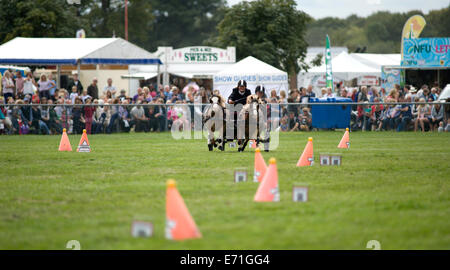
x=126, y=20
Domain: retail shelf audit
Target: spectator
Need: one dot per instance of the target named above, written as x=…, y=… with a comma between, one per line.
x=123, y=95
x=140, y=93
x=54, y=121
x=304, y=98
x=139, y=118
x=382, y=93
x=405, y=115
x=167, y=93
x=114, y=115
x=92, y=89
x=437, y=115
x=124, y=114
x=44, y=86
x=19, y=85
x=160, y=114
x=26, y=111
x=85, y=96
x=37, y=122
x=426, y=94
x=330, y=93
x=423, y=111
x=75, y=82
x=283, y=124
x=175, y=95
x=376, y=113
x=29, y=84
x=305, y=120
x=434, y=93
x=103, y=116
x=77, y=116
x=8, y=85
x=293, y=122
x=323, y=91
x=74, y=94
x=309, y=92
x=294, y=98
x=89, y=111
x=344, y=93
x=108, y=96
x=110, y=87
x=364, y=113
x=52, y=90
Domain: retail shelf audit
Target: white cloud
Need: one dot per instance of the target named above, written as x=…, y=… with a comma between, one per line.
x=343, y=8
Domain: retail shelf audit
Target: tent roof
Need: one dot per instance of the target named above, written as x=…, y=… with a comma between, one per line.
x=250, y=65
x=377, y=60
x=68, y=51
x=346, y=67
x=190, y=70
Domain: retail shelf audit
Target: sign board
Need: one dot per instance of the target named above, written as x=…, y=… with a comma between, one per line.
x=390, y=77
x=328, y=159
x=202, y=54
x=141, y=229
x=300, y=194
x=240, y=175
x=426, y=52
x=368, y=80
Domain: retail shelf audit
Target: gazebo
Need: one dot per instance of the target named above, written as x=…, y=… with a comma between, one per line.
x=79, y=52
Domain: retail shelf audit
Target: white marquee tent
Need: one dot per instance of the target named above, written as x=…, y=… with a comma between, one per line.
x=345, y=67
x=73, y=51
x=255, y=72
x=377, y=60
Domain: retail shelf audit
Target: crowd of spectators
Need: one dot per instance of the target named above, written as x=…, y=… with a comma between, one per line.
x=49, y=117
x=91, y=114
x=399, y=117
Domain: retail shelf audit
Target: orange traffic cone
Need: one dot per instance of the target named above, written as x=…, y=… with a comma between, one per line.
x=83, y=146
x=268, y=188
x=179, y=223
x=345, y=141
x=64, y=144
x=260, y=166
x=307, y=158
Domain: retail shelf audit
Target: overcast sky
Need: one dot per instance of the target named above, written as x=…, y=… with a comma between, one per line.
x=343, y=8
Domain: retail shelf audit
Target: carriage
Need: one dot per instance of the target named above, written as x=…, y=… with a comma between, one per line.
x=225, y=124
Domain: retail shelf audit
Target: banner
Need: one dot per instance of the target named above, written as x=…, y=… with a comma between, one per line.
x=329, y=72
x=202, y=54
x=390, y=77
x=426, y=52
x=412, y=28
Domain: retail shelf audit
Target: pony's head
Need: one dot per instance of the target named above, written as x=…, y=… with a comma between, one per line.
x=217, y=99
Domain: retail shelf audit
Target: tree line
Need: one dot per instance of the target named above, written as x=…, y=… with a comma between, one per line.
x=275, y=31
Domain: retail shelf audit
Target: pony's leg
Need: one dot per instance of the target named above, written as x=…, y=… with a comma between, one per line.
x=211, y=142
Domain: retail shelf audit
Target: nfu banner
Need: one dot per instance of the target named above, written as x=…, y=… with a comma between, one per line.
x=426, y=52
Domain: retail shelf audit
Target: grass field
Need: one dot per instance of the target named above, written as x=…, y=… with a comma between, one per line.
x=391, y=187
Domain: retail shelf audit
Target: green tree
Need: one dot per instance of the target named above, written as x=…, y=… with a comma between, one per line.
x=38, y=18
x=107, y=18
x=270, y=30
x=180, y=23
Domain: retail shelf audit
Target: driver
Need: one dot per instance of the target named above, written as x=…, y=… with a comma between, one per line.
x=239, y=94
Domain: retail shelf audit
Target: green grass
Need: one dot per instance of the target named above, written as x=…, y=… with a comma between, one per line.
x=391, y=187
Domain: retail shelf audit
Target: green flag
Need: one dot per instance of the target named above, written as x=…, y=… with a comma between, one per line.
x=328, y=65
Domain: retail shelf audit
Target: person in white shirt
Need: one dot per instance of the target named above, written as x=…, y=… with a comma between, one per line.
x=29, y=85
x=74, y=94
x=8, y=85
x=110, y=88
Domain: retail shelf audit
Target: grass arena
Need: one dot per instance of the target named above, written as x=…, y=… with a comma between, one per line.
x=391, y=187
